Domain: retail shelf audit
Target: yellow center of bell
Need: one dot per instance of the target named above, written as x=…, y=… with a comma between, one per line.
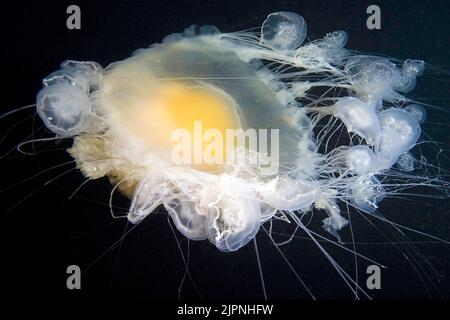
x=177, y=119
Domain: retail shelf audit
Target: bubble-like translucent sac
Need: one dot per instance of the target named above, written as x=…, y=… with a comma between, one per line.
x=374, y=79
x=194, y=31
x=335, y=221
x=91, y=71
x=65, y=109
x=83, y=74
x=359, y=117
x=267, y=212
x=188, y=218
x=327, y=51
x=336, y=40
x=399, y=133
x=66, y=77
x=366, y=192
x=149, y=194
x=187, y=215
x=404, y=83
x=413, y=68
x=63, y=103
x=289, y=194
x=417, y=111
x=233, y=214
x=406, y=162
x=359, y=159
x=283, y=31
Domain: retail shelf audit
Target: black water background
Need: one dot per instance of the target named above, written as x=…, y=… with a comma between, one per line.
x=48, y=232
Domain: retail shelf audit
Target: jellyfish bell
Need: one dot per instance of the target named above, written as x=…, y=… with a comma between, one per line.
x=373, y=79
x=283, y=31
x=413, y=68
x=285, y=193
x=417, y=111
x=358, y=117
x=406, y=162
x=336, y=39
x=63, y=103
x=65, y=109
x=360, y=159
x=399, y=134
x=82, y=74
x=224, y=130
x=366, y=192
x=233, y=214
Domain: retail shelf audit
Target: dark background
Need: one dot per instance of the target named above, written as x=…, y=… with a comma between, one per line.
x=46, y=232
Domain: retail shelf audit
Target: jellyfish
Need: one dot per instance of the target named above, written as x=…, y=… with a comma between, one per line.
x=228, y=131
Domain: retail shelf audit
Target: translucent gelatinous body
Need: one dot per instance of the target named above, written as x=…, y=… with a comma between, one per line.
x=65, y=109
x=360, y=159
x=336, y=39
x=417, y=111
x=413, y=68
x=366, y=193
x=289, y=194
x=233, y=217
x=158, y=123
x=399, y=133
x=359, y=117
x=63, y=103
x=284, y=30
x=406, y=162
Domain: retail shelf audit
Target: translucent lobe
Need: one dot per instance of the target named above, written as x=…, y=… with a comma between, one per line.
x=233, y=214
x=417, y=111
x=284, y=30
x=406, y=162
x=358, y=117
x=188, y=218
x=366, y=192
x=336, y=39
x=63, y=103
x=64, y=109
x=399, y=133
x=285, y=193
x=413, y=68
x=360, y=159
